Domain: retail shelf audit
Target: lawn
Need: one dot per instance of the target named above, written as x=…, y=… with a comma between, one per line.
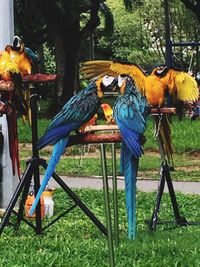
x=85, y=160
x=75, y=241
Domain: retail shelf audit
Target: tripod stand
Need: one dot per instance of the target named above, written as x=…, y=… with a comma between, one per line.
x=32, y=171
x=165, y=176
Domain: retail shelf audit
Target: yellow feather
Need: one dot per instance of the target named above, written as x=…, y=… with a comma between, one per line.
x=91, y=69
x=6, y=65
x=182, y=83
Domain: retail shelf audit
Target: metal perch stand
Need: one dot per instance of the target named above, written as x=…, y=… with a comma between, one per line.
x=165, y=176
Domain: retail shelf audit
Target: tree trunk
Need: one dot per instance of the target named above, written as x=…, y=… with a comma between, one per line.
x=71, y=46
x=60, y=61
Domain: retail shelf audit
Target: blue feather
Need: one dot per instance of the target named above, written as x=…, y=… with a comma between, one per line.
x=78, y=110
x=31, y=55
x=54, y=134
x=130, y=111
x=132, y=141
x=130, y=173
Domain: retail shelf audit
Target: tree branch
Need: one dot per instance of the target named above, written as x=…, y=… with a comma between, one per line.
x=94, y=20
x=194, y=8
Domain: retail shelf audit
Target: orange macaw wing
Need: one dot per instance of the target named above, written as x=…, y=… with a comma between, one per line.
x=93, y=68
x=22, y=62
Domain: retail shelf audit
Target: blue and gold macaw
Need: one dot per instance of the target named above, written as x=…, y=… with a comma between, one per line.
x=130, y=111
x=27, y=62
x=78, y=110
x=163, y=80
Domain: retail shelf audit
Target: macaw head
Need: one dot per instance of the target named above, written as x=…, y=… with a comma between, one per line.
x=105, y=83
x=160, y=70
x=109, y=82
x=125, y=83
x=18, y=44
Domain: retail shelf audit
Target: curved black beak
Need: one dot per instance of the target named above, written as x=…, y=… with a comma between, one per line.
x=17, y=43
x=114, y=85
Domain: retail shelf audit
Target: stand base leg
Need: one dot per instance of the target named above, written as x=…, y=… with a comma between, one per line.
x=11, y=205
x=107, y=206
x=166, y=177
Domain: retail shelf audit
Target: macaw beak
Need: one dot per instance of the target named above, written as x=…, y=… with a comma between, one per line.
x=17, y=43
x=113, y=87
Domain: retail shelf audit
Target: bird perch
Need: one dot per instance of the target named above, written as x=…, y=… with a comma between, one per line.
x=115, y=137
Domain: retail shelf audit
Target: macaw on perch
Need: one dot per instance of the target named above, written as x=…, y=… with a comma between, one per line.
x=14, y=63
x=26, y=61
x=177, y=83
x=130, y=111
x=77, y=111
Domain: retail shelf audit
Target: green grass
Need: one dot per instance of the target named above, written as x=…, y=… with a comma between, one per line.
x=187, y=168
x=186, y=140
x=185, y=134
x=75, y=241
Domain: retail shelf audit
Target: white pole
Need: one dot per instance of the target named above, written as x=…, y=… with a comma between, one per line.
x=6, y=23
x=9, y=182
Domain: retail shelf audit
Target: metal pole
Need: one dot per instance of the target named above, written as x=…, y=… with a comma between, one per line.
x=167, y=34
x=6, y=23
x=9, y=182
x=115, y=196
x=107, y=205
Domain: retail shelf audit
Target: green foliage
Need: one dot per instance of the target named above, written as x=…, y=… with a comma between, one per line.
x=139, y=36
x=74, y=241
x=49, y=59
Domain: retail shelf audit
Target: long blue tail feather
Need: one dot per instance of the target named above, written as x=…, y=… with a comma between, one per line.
x=130, y=168
x=56, y=154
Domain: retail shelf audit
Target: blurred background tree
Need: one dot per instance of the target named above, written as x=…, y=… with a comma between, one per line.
x=64, y=33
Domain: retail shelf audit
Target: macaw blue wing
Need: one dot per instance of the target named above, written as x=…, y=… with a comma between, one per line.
x=31, y=55
x=56, y=134
x=78, y=110
x=130, y=115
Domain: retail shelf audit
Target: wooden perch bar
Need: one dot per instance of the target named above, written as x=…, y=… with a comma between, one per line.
x=94, y=138
x=163, y=110
x=103, y=128
x=40, y=78
x=6, y=86
x=108, y=128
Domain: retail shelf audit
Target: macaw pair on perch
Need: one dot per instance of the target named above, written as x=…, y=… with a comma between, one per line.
x=138, y=93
